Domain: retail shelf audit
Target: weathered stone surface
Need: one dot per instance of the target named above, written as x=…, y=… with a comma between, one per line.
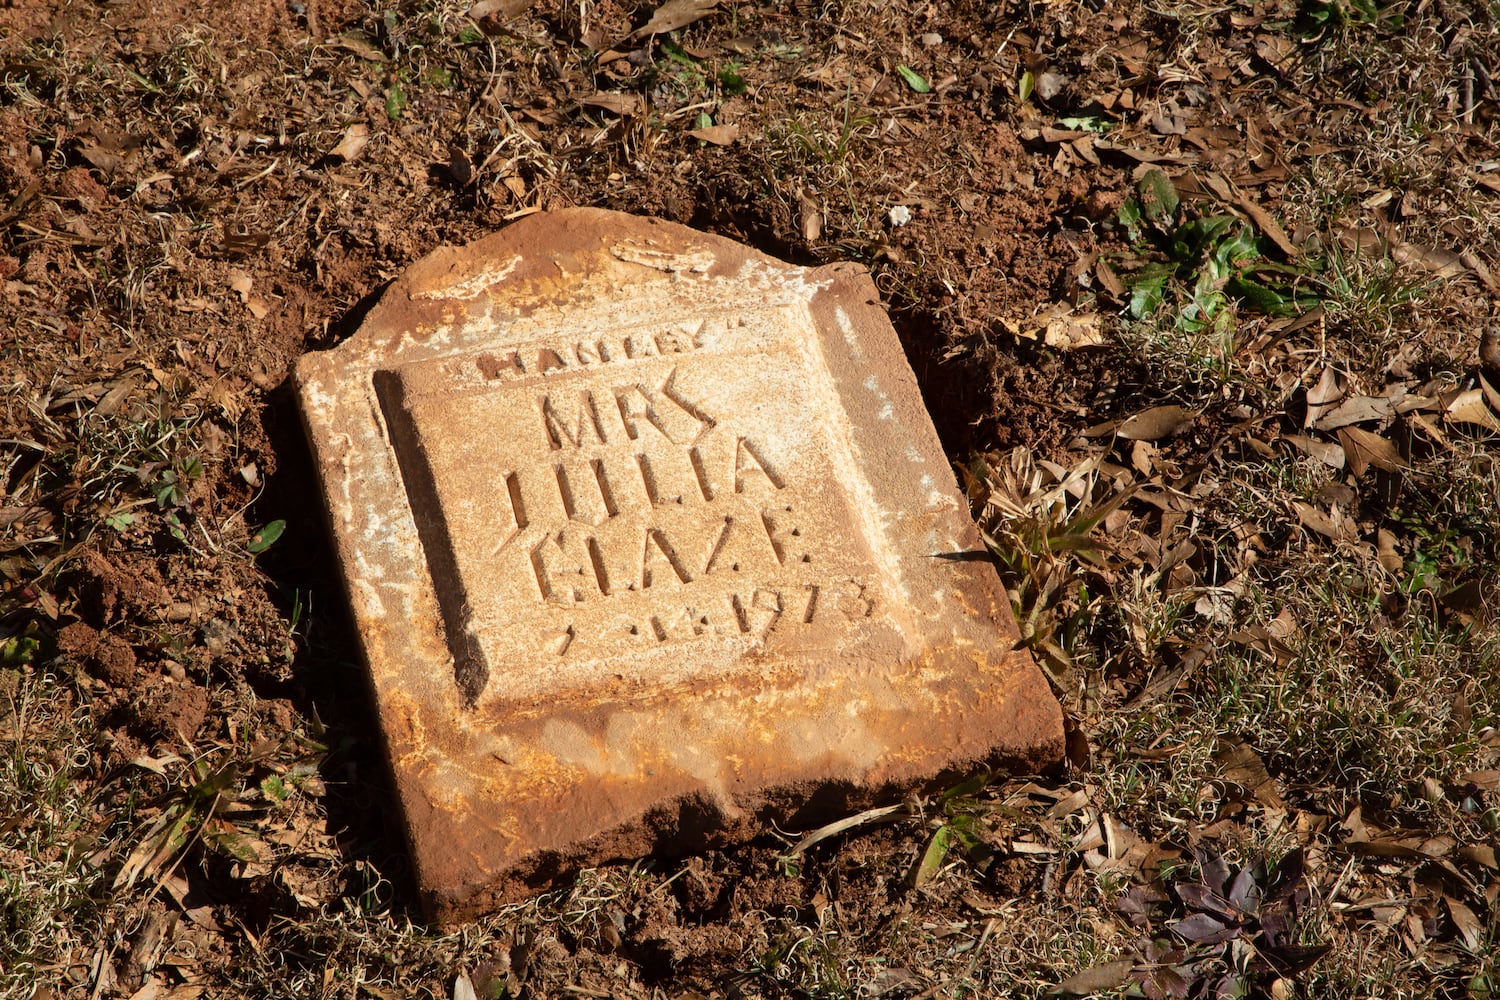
x=649, y=540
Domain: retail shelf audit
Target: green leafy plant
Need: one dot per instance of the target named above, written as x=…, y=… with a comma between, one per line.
x=187, y=814
x=395, y=99
x=17, y=650
x=173, y=486
x=1316, y=18
x=731, y=81
x=266, y=536
x=688, y=78
x=958, y=830
x=120, y=520
x=1198, y=266
x=914, y=80
x=216, y=804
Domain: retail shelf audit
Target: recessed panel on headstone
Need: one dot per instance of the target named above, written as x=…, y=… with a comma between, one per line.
x=650, y=542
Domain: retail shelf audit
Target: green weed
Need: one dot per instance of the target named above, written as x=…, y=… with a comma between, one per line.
x=1198, y=267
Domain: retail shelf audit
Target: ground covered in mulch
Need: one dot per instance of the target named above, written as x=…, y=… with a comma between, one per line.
x=1202, y=299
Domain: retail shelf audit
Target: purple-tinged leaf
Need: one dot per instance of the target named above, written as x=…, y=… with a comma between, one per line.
x=1287, y=878
x=1288, y=960
x=1244, y=892
x=1200, y=897
x=1301, y=898
x=1174, y=983
x=1230, y=987
x=1215, y=871
x=1200, y=928
x=1274, y=928
x=1162, y=950
x=1134, y=905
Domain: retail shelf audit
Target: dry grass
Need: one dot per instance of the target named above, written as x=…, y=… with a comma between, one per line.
x=1269, y=654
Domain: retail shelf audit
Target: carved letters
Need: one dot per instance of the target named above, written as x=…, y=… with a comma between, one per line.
x=624, y=454
x=608, y=507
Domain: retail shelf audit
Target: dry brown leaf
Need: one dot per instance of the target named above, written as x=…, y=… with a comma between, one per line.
x=811, y=217
x=115, y=397
x=1385, y=551
x=1268, y=225
x=502, y=9
x=1031, y=847
x=1141, y=454
x=357, y=43
x=106, y=160
x=1317, y=520
x=1407, y=847
x=1084, y=148
x=1365, y=449
x=1467, y=599
x=241, y=283
x=1324, y=451
x=1490, y=392
x=1262, y=640
x=624, y=105
x=1429, y=428
x=719, y=135
x=1243, y=766
x=460, y=167
x=881, y=814
x=672, y=15
x=1259, y=216
x=1480, y=270
x=1164, y=123
x=1489, y=350
x=1069, y=804
x=1111, y=283
x=1145, y=155
x=1359, y=410
x=1323, y=396
x=1164, y=682
x=1099, y=979
x=1468, y=925
x=1479, y=854
x=1154, y=424
x=352, y=143
x=1090, y=838
x=1120, y=840
x=1443, y=263
x=1278, y=50
x=1361, y=240
x=1470, y=407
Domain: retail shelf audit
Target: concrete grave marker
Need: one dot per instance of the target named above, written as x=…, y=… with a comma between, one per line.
x=649, y=540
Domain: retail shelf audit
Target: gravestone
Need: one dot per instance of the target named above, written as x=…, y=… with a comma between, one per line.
x=650, y=542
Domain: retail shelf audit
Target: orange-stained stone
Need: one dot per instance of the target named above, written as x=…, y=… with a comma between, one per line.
x=649, y=542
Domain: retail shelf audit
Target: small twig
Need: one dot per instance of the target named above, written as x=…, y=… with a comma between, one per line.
x=1468, y=91
x=255, y=177
x=883, y=814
